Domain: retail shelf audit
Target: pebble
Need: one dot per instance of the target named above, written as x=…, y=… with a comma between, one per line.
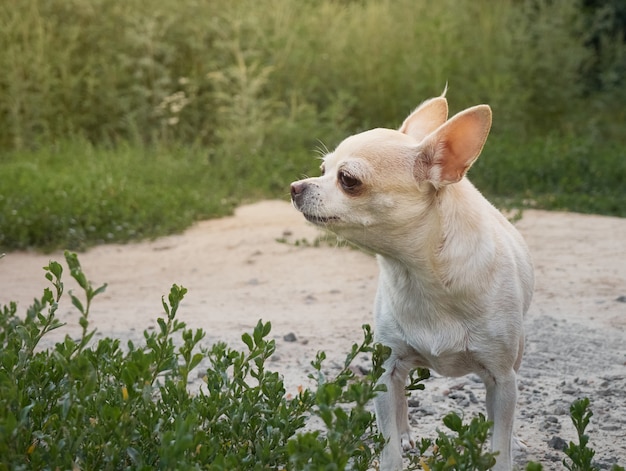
x=413, y=402
x=427, y=410
x=557, y=443
x=472, y=397
x=610, y=428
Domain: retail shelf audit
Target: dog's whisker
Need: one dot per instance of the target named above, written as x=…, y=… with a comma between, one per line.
x=322, y=149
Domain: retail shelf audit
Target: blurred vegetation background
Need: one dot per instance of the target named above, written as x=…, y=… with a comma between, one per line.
x=123, y=119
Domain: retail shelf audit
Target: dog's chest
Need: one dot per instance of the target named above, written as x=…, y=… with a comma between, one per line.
x=425, y=318
x=442, y=344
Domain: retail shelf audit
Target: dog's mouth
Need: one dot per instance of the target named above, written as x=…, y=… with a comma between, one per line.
x=316, y=219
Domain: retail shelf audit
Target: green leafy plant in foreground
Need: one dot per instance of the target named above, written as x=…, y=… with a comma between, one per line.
x=83, y=404
x=86, y=405
x=464, y=450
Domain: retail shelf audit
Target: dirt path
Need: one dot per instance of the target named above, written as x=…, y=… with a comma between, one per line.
x=237, y=272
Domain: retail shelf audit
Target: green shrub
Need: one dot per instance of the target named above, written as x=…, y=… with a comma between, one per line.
x=83, y=404
x=100, y=405
x=86, y=405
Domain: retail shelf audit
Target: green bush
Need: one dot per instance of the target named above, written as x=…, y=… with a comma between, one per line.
x=83, y=404
x=101, y=405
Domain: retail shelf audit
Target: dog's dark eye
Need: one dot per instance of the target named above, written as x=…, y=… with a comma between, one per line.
x=322, y=169
x=348, y=182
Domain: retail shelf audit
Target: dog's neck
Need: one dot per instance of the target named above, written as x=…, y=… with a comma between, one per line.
x=447, y=245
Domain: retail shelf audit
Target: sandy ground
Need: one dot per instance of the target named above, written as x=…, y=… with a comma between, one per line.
x=237, y=271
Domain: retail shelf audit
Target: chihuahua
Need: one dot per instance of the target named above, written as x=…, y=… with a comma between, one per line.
x=456, y=278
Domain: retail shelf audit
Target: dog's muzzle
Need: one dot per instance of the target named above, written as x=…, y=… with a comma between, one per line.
x=299, y=200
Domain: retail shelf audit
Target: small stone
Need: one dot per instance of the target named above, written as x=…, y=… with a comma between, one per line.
x=552, y=457
x=290, y=337
x=557, y=443
x=621, y=299
x=472, y=397
x=561, y=410
x=413, y=402
x=610, y=428
x=426, y=410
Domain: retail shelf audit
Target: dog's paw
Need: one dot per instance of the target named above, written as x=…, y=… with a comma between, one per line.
x=406, y=442
x=519, y=444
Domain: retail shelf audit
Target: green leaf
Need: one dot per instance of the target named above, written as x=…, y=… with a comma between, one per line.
x=258, y=334
x=100, y=290
x=195, y=360
x=55, y=268
x=48, y=297
x=533, y=466
x=166, y=307
x=77, y=303
x=247, y=339
x=162, y=326
x=453, y=422
x=267, y=329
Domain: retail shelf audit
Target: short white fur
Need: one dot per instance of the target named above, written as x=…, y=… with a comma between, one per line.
x=456, y=277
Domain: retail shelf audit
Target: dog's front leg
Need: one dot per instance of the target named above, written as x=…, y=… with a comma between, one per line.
x=501, y=399
x=392, y=414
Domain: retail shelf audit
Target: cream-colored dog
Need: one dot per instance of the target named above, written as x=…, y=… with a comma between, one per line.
x=455, y=276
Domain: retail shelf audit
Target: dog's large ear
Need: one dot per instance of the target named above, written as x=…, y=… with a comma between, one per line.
x=426, y=118
x=446, y=155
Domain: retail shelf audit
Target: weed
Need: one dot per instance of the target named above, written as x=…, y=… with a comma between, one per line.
x=580, y=454
x=323, y=239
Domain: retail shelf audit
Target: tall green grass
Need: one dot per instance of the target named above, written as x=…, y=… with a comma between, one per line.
x=76, y=195
x=561, y=172
x=124, y=118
